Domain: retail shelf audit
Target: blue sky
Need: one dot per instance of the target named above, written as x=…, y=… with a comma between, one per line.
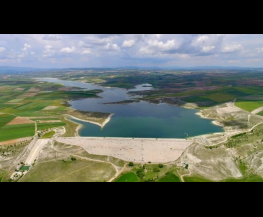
x=120, y=50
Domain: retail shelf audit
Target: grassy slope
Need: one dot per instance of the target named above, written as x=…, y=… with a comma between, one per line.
x=48, y=135
x=169, y=178
x=127, y=177
x=249, y=105
x=5, y=118
x=195, y=179
x=32, y=106
x=69, y=171
x=10, y=132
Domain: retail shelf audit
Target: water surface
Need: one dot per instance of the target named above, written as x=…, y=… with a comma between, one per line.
x=138, y=119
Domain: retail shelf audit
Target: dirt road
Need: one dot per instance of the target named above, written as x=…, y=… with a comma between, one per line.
x=35, y=151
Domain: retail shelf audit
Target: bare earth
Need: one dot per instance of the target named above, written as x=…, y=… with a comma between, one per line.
x=50, y=121
x=18, y=89
x=13, y=141
x=101, y=125
x=257, y=110
x=136, y=150
x=28, y=95
x=35, y=150
x=50, y=108
x=20, y=120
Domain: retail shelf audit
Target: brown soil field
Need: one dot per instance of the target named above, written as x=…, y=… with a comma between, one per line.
x=20, y=120
x=18, y=89
x=13, y=141
x=32, y=89
x=28, y=94
x=50, y=108
x=50, y=121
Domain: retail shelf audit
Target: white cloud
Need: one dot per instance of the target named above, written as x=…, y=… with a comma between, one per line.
x=234, y=61
x=2, y=49
x=51, y=37
x=170, y=44
x=48, y=51
x=48, y=47
x=22, y=55
x=86, y=51
x=208, y=48
x=5, y=60
x=183, y=56
x=260, y=49
x=128, y=43
x=67, y=50
x=113, y=47
x=232, y=48
x=145, y=50
x=26, y=47
x=202, y=38
x=254, y=60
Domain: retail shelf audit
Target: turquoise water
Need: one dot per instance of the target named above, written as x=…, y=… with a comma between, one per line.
x=140, y=119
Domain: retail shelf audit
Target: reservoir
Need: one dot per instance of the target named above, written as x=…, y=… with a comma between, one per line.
x=138, y=119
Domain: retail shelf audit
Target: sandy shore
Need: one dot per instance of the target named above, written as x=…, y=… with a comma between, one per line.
x=140, y=150
x=215, y=122
x=92, y=122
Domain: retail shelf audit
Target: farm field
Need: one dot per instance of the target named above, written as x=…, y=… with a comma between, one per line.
x=169, y=178
x=127, y=177
x=34, y=102
x=249, y=105
x=27, y=105
x=69, y=171
x=10, y=132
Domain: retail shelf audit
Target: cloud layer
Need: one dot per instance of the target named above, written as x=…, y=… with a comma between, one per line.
x=120, y=50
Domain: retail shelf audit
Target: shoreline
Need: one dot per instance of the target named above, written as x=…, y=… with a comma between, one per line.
x=214, y=121
x=199, y=113
x=92, y=122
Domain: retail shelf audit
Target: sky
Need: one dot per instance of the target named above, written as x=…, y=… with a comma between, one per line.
x=126, y=50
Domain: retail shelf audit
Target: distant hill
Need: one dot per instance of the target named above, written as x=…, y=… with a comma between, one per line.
x=12, y=69
x=16, y=70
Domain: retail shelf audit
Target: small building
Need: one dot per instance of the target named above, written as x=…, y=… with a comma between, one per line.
x=19, y=167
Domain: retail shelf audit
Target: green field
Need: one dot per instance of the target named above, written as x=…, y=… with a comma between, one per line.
x=221, y=97
x=29, y=101
x=2, y=175
x=69, y=171
x=10, y=132
x=23, y=168
x=245, y=138
x=249, y=105
x=34, y=106
x=127, y=177
x=48, y=135
x=5, y=118
x=169, y=178
x=15, y=100
x=45, y=126
x=195, y=179
x=252, y=178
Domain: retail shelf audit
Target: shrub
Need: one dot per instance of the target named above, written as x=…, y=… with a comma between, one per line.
x=130, y=164
x=156, y=170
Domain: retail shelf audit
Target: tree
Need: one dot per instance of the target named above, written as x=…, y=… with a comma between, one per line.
x=160, y=165
x=130, y=164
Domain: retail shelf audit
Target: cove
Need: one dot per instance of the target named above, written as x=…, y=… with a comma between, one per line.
x=139, y=119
